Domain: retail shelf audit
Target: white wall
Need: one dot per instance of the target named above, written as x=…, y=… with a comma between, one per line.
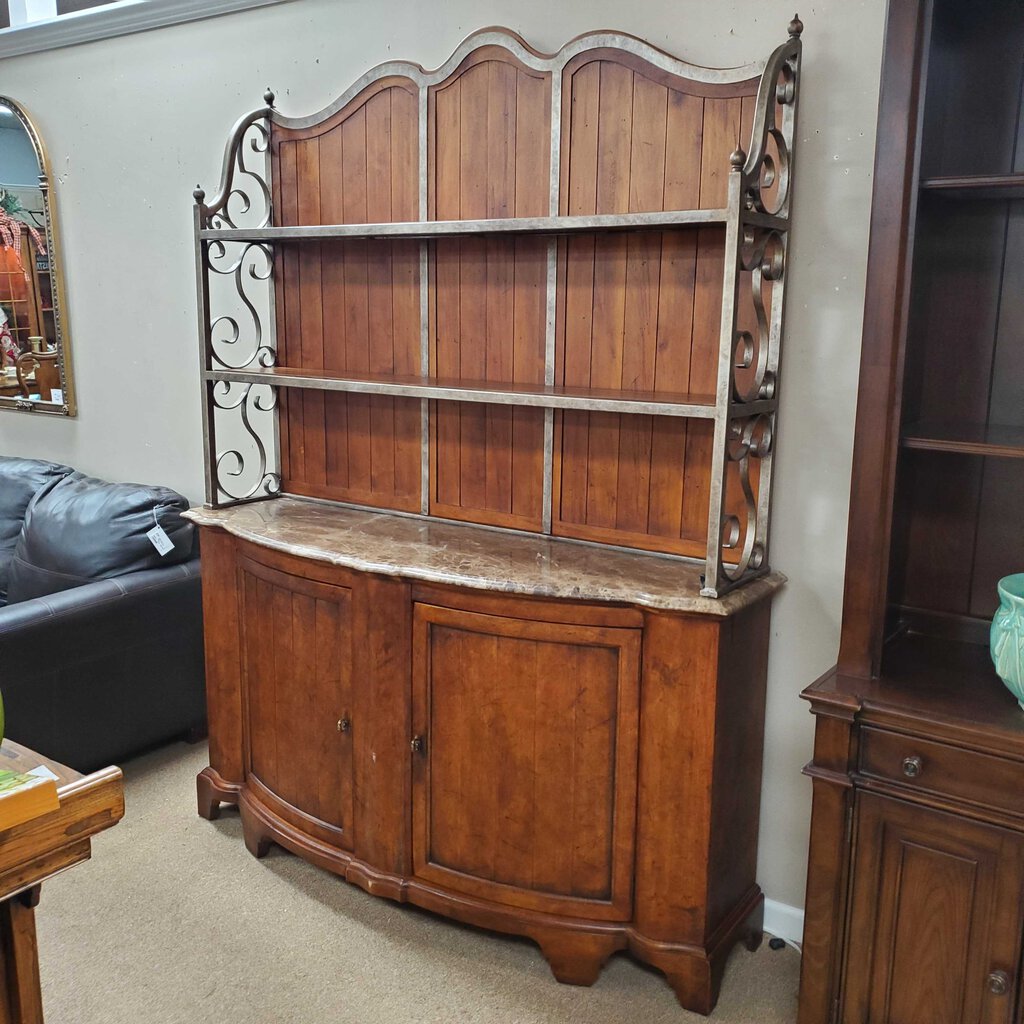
x=132, y=124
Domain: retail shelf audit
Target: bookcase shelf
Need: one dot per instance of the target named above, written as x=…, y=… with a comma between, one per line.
x=428, y=229
x=550, y=396
x=986, y=439
x=976, y=186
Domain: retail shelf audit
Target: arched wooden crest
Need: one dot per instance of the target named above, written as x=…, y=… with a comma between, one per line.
x=547, y=334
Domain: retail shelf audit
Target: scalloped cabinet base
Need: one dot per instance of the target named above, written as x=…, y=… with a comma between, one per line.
x=583, y=774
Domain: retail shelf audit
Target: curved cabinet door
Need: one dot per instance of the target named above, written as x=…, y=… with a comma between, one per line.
x=525, y=761
x=297, y=657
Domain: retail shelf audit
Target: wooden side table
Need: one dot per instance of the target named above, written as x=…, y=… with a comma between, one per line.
x=37, y=850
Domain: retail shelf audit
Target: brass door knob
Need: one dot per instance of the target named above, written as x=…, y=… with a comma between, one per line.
x=998, y=983
x=344, y=725
x=912, y=766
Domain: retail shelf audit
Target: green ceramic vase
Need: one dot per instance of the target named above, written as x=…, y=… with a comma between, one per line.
x=1007, y=636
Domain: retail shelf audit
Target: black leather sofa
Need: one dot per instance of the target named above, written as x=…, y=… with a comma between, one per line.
x=101, y=643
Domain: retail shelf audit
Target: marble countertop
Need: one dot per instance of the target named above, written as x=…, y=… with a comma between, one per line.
x=477, y=557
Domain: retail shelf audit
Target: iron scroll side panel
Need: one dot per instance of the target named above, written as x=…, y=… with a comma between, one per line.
x=761, y=185
x=236, y=315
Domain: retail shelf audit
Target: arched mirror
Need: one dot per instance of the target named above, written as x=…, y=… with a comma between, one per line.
x=35, y=360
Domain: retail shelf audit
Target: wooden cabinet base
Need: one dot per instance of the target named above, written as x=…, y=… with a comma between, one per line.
x=914, y=911
x=585, y=775
x=576, y=951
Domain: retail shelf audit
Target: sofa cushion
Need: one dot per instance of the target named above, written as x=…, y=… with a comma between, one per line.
x=20, y=481
x=83, y=529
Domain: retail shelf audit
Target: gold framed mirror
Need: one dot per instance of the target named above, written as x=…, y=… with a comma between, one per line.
x=35, y=353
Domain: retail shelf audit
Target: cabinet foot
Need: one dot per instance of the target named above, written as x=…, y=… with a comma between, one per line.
x=754, y=935
x=696, y=976
x=258, y=839
x=695, y=982
x=577, y=959
x=211, y=792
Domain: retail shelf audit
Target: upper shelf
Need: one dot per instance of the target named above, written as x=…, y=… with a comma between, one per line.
x=985, y=439
x=491, y=226
x=546, y=396
x=977, y=186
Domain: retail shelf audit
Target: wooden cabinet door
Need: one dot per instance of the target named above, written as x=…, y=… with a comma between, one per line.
x=297, y=658
x=524, y=791
x=935, y=922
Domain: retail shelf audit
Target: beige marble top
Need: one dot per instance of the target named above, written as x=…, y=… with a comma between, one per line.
x=473, y=556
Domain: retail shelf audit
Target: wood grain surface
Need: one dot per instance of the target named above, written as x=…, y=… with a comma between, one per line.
x=490, y=132
x=640, y=310
x=351, y=305
x=635, y=312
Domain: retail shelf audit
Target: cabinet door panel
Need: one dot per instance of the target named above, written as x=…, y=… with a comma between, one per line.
x=297, y=659
x=526, y=792
x=936, y=911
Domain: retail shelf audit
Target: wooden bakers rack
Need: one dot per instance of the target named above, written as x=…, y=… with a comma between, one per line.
x=534, y=292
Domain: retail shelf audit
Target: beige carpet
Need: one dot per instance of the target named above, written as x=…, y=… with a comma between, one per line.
x=173, y=922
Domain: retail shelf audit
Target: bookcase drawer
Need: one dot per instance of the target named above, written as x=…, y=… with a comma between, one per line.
x=933, y=767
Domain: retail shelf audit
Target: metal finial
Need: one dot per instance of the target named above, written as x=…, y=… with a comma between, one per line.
x=738, y=158
x=268, y=97
x=199, y=195
x=796, y=26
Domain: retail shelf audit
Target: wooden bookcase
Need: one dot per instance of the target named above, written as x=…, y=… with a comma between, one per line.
x=914, y=906
x=489, y=431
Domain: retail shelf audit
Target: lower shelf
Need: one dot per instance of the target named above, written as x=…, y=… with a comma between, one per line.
x=547, y=396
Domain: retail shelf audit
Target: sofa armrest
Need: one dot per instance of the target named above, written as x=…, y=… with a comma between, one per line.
x=94, y=674
x=63, y=619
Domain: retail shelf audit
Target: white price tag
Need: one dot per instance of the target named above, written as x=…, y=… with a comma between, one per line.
x=56, y=395
x=160, y=540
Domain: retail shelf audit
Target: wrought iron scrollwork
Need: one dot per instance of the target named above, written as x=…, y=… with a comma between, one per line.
x=236, y=319
x=750, y=440
x=253, y=263
x=243, y=471
x=767, y=169
x=244, y=198
x=762, y=256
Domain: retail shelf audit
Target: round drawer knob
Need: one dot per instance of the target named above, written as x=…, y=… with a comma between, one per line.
x=998, y=983
x=912, y=766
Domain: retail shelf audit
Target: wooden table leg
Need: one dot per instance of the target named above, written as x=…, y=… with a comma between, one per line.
x=21, y=1000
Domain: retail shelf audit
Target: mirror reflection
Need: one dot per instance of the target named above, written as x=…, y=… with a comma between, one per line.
x=33, y=357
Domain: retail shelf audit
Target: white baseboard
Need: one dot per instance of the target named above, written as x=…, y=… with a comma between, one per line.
x=784, y=921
